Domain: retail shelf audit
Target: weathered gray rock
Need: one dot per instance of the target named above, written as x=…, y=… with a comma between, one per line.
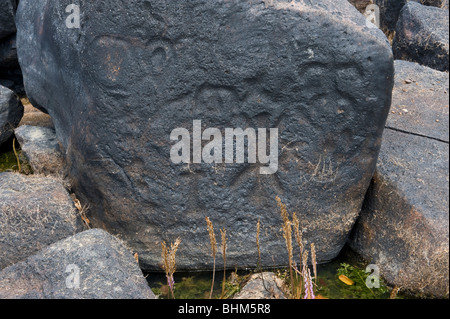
x=7, y=23
x=404, y=225
x=42, y=149
x=262, y=286
x=106, y=269
x=117, y=87
x=422, y=36
x=420, y=101
x=11, y=111
x=34, y=213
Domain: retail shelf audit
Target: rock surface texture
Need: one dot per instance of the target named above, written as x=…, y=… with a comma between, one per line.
x=34, y=213
x=134, y=71
x=89, y=265
x=422, y=36
x=404, y=225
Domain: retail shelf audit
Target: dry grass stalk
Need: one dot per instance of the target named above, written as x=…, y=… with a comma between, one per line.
x=298, y=235
x=17, y=156
x=309, y=287
x=212, y=240
x=258, y=246
x=287, y=235
x=169, y=262
x=299, y=240
x=394, y=292
x=314, y=261
x=223, y=233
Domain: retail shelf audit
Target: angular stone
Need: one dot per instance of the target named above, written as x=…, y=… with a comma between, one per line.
x=42, y=149
x=34, y=213
x=136, y=71
x=422, y=36
x=420, y=101
x=404, y=224
x=89, y=265
x=262, y=286
x=11, y=111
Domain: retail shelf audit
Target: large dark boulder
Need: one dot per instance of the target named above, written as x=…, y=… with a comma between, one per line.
x=404, y=224
x=90, y=265
x=11, y=112
x=422, y=36
x=134, y=71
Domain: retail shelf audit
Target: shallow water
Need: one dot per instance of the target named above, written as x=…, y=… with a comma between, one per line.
x=198, y=285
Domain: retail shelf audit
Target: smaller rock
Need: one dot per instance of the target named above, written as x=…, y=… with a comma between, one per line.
x=422, y=36
x=89, y=265
x=262, y=286
x=42, y=149
x=425, y=99
x=11, y=112
x=34, y=213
